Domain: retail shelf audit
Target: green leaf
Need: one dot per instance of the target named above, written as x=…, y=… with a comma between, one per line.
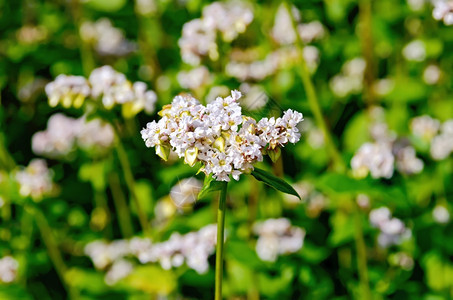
x=210, y=185
x=275, y=182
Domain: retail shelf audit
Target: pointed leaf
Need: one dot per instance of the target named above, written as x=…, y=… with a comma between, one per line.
x=275, y=182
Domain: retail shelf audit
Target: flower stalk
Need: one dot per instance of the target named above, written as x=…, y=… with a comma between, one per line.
x=220, y=241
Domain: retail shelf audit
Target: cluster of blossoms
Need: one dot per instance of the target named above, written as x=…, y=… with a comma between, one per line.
x=192, y=249
x=35, y=180
x=440, y=136
x=392, y=230
x=218, y=135
x=194, y=78
x=350, y=80
x=283, y=31
x=199, y=35
x=106, y=39
x=104, y=83
x=277, y=237
x=443, y=10
x=432, y=74
x=276, y=60
x=63, y=133
x=8, y=269
x=380, y=157
x=415, y=51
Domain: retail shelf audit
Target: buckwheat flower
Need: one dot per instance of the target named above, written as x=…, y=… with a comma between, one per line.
x=415, y=51
x=185, y=192
x=443, y=10
x=392, y=230
x=283, y=31
x=230, y=18
x=103, y=254
x=441, y=214
x=59, y=137
x=67, y=90
x=441, y=146
x=198, y=40
x=145, y=7
x=350, y=80
x=95, y=134
x=8, y=269
x=277, y=237
x=218, y=135
x=424, y=127
x=311, y=31
x=115, y=89
x=194, y=78
x=374, y=158
x=106, y=39
x=407, y=162
x=119, y=270
x=431, y=75
x=255, y=96
x=35, y=180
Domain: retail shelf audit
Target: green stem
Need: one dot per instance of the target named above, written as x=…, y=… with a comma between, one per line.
x=361, y=256
x=124, y=214
x=366, y=39
x=130, y=182
x=313, y=99
x=52, y=248
x=220, y=242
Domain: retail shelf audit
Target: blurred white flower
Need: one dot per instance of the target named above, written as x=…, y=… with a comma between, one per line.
x=194, y=78
x=68, y=90
x=424, y=127
x=277, y=237
x=350, y=80
x=432, y=74
x=443, y=10
x=441, y=215
x=415, y=51
x=35, y=180
x=392, y=230
x=8, y=269
x=442, y=144
x=106, y=39
x=407, y=162
x=64, y=133
x=119, y=270
x=199, y=35
x=376, y=158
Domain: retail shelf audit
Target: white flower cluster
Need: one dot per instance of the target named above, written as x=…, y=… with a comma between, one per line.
x=276, y=60
x=350, y=80
x=440, y=136
x=63, y=133
x=314, y=201
x=8, y=269
x=380, y=157
x=283, y=30
x=415, y=51
x=443, y=10
x=192, y=249
x=35, y=180
x=218, y=135
x=392, y=230
x=199, y=35
x=277, y=237
x=106, y=39
x=104, y=82
x=194, y=78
